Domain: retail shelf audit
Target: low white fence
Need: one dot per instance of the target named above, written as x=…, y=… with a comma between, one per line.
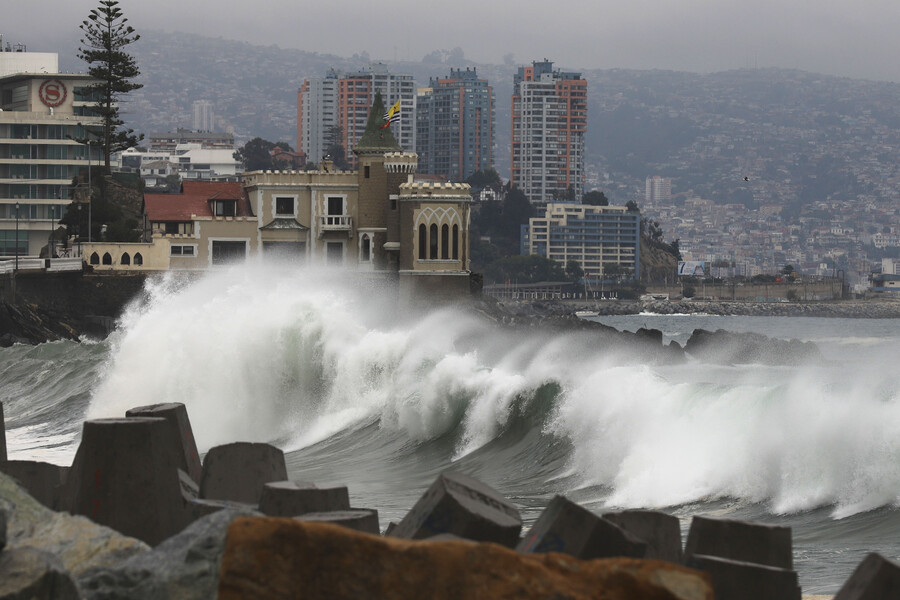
x=31, y=264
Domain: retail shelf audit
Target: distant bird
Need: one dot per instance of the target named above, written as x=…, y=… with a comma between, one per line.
x=746, y=179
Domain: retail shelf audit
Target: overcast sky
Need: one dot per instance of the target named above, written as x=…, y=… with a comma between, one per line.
x=828, y=36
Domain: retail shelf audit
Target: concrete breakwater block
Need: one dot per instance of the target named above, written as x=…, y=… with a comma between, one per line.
x=660, y=531
x=3, y=456
x=200, y=507
x=125, y=475
x=567, y=527
x=43, y=481
x=364, y=520
x=176, y=415
x=238, y=471
x=875, y=578
x=266, y=557
x=290, y=498
x=465, y=507
x=737, y=580
x=741, y=540
x=35, y=575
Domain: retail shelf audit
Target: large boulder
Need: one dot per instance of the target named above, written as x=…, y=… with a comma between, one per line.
x=78, y=542
x=726, y=347
x=184, y=567
x=29, y=574
x=279, y=558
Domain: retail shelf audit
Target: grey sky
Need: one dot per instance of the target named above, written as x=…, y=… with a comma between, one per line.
x=828, y=36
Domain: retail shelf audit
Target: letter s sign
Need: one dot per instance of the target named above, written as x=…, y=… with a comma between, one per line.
x=52, y=92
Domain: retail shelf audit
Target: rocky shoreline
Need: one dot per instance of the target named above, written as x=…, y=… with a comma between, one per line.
x=880, y=309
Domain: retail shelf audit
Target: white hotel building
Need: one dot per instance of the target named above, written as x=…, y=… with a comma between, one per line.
x=42, y=114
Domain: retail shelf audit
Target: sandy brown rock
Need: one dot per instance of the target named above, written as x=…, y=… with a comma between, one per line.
x=278, y=558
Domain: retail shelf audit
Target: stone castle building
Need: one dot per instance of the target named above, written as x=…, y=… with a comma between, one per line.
x=376, y=219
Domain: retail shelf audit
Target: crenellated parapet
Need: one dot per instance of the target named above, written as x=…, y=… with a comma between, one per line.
x=401, y=162
x=456, y=192
x=313, y=177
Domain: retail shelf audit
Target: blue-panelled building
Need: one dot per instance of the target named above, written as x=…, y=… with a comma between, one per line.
x=597, y=237
x=455, y=125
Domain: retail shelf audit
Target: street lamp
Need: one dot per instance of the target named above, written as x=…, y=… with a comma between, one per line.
x=17, y=236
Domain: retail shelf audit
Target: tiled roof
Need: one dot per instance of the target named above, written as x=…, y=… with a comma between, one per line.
x=194, y=200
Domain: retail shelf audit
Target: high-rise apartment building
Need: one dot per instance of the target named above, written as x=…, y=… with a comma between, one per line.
x=455, y=125
x=203, y=117
x=44, y=115
x=343, y=100
x=596, y=237
x=549, y=120
x=657, y=189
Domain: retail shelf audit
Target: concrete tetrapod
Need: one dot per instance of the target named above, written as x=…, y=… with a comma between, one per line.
x=465, y=507
x=661, y=532
x=176, y=415
x=364, y=520
x=125, y=475
x=741, y=540
x=42, y=480
x=738, y=580
x=291, y=498
x=3, y=457
x=567, y=527
x=875, y=578
x=238, y=471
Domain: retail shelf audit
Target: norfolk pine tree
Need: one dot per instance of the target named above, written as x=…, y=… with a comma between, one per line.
x=106, y=34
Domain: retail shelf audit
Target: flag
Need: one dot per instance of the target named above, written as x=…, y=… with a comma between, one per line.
x=392, y=115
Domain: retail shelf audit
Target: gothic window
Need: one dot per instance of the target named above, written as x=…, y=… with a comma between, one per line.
x=126, y=259
x=433, y=242
x=456, y=242
x=445, y=242
x=423, y=241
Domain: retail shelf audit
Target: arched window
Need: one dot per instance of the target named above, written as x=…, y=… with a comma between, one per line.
x=107, y=259
x=423, y=241
x=433, y=242
x=366, y=249
x=445, y=242
x=456, y=242
x=95, y=259
x=138, y=259
x=126, y=260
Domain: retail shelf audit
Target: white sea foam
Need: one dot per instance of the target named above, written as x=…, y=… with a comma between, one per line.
x=263, y=354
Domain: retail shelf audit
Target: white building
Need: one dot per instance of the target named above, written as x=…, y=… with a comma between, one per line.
x=190, y=161
x=204, y=119
x=549, y=120
x=43, y=114
x=343, y=100
x=657, y=189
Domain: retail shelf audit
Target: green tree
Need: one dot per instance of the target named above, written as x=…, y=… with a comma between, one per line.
x=574, y=271
x=255, y=155
x=106, y=34
x=632, y=206
x=595, y=198
x=335, y=149
x=485, y=178
x=516, y=212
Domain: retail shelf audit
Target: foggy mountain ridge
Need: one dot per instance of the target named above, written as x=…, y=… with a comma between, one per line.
x=807, y=136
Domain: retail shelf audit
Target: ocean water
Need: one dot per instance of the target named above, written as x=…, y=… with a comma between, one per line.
x=359, y=392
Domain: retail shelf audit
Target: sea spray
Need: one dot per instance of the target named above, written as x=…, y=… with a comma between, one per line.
x=298, y=357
